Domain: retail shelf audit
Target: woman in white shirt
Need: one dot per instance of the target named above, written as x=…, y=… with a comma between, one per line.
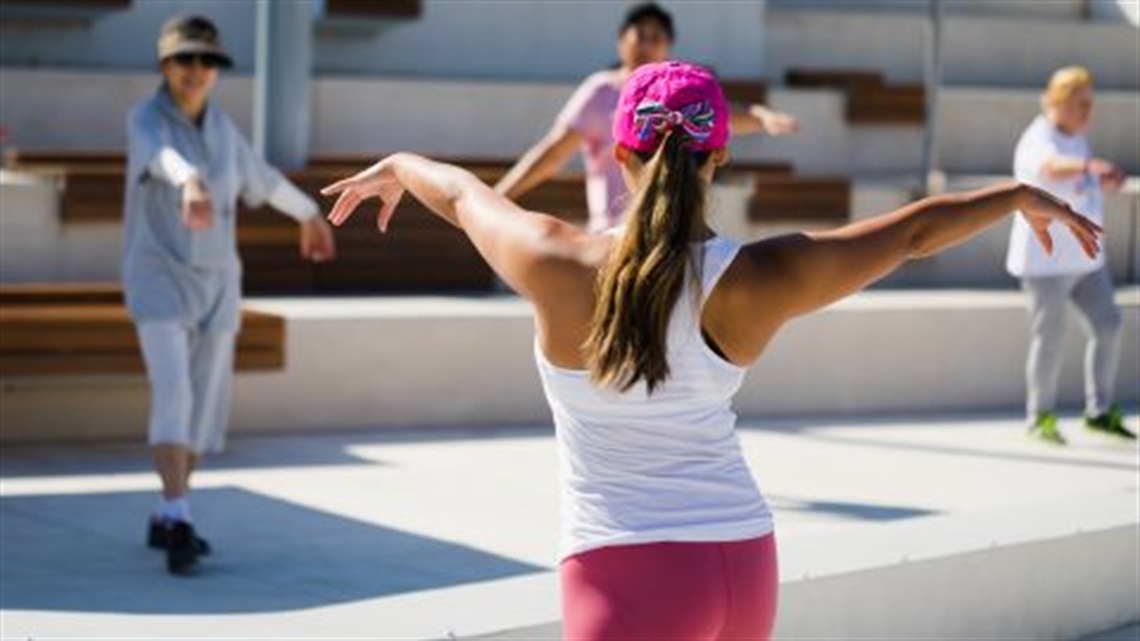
x=1054, y=154
x=643, y=336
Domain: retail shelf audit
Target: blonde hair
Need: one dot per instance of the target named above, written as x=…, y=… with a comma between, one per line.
x=645, y=275
x=1063, y=84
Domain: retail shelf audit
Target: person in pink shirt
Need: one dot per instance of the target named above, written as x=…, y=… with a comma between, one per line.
x=646, y=35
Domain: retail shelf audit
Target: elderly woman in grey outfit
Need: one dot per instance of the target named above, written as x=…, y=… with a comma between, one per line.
x=187, y=166
x=1054, y=154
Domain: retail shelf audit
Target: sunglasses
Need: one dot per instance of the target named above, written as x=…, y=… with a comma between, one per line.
x=206, y=60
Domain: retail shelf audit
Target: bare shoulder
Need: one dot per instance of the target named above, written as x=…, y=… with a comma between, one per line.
x=564, y=249
x=764, y=266
x=749, y=303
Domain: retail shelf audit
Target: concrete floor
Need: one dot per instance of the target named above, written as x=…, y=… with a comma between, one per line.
x=324, y=535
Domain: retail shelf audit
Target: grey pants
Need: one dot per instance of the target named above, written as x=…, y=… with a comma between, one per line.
x=1092, y=296
x=189, y=374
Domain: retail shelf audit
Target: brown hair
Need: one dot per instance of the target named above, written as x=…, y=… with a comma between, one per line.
x=645, y=274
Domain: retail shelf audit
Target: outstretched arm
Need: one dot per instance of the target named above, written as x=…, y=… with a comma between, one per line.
x=545, y=159
x=521, y=246
x=805, y=272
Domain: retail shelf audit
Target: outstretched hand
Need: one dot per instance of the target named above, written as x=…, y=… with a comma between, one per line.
x=317, y=241
x=378, y=180
x=1041, y=209
x=775, y=123
x=197, y=205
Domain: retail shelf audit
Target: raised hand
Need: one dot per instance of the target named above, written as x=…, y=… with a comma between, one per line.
x=379, y=181
x=197, y=205
x=775, y=123
x=1041, y=209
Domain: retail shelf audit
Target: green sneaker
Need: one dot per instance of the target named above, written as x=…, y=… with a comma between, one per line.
x=1045, y=429
x=1110, y=423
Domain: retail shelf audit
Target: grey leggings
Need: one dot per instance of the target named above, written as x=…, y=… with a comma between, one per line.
x=1092, y=296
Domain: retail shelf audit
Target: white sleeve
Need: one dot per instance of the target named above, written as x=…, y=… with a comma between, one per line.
x=293, y=202
x=149, y=154
x=169, y=165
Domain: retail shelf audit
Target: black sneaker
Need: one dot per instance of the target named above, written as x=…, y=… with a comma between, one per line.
x=181, y=550
x=157, y=532
x=1110, y=423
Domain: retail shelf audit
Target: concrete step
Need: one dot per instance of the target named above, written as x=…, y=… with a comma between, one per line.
x=872, y=353
x=1009, y=51
x=978, y=127
x=1000, y=51
x=1066, y=10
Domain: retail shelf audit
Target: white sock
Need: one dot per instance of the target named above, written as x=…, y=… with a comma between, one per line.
x=174, y=509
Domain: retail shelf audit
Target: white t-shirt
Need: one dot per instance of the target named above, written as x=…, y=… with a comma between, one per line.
x=1027, y=258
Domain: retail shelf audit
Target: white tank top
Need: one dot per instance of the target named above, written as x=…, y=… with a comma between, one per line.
x=637, y=468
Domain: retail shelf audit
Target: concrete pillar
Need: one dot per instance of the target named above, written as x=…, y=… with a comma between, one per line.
x=283, y=75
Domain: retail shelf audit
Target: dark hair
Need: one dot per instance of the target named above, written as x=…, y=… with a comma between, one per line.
x=648, y=11
x=643, y=279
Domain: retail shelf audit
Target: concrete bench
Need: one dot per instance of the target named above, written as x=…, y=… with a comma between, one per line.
x=61, y=329
x=424, y=254
x=869, y=99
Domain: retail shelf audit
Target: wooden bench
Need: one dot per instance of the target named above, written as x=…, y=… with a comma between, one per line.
x=61, y=329
x=870, y=100
x=388, y=9
x=785, y=198
x=745, y=91
x=422, y=254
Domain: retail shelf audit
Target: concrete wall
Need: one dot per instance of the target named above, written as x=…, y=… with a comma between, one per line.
x=542, y=39
x=1017, y=52
x=979, y=128
x=1014, y=574
x=1008, y=50
x=1056, y=9
x=889, y=43
x=86, y=111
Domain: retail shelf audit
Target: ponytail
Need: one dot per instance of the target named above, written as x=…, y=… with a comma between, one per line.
x=644, y=277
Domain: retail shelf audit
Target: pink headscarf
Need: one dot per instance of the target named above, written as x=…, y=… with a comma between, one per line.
x=662, y=96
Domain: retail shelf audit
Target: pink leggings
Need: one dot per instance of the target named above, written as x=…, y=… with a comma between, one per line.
x=671, y=592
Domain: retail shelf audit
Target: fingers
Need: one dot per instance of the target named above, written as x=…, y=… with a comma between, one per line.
x=1086, y=232
x=387, y=209
x=338, y=186
x=345, y=205
x=1045, y=238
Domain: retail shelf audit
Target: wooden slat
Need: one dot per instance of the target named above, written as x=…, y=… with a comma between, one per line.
x=47, y=293
x=745, y=91
x=790, y=198
x=405, y=9
x=119, y=363
x=833, y=78
x=904, y=105
x=50, y=329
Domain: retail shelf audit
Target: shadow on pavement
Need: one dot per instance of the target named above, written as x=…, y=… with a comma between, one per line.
x=85, y=553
